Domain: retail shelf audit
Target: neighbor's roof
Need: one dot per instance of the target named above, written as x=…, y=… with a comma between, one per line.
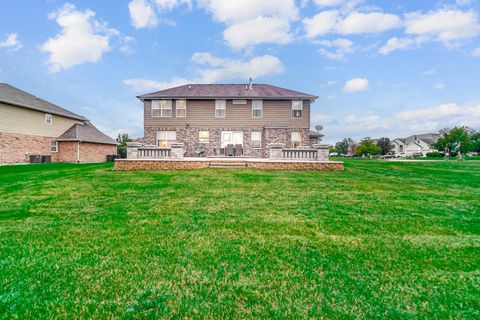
x=429, y=138
x=228, y=91
x=20, y=98
x=86, y=133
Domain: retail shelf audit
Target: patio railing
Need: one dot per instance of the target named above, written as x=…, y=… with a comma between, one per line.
x=153, y=152
x=301, y=154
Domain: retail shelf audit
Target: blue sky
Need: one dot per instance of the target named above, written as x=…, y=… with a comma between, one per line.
x=380, y=68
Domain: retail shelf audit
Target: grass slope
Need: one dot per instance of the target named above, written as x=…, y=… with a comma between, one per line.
x=396, y=240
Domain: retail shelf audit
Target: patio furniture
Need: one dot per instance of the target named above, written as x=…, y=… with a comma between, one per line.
x=230, y=150
x=238, y=150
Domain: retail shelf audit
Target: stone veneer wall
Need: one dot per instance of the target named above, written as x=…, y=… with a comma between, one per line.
x=189, y=136
x=89, y=152
x=135, y=165
x=15, y=148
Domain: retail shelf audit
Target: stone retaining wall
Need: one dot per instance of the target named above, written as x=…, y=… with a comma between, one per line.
x=135, y=165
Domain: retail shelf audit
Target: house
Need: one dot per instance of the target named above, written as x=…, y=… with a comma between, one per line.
x=31, y=126
x=214, y=119
x=416, y=144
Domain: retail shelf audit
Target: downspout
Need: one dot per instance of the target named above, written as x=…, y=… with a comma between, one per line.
x=78, y=151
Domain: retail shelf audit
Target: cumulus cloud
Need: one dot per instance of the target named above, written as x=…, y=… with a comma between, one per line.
x=336, y=49
x=11, y=42
x=82, y=38
x=373, y=22
x=329, y=3
x=321, y=24
x=142, y=14
x=252, y=22
x=213, y=69
x=395, y=43
x=356, y=85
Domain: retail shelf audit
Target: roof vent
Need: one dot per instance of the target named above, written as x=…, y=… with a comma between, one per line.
x=189, y=86
x=250, y=84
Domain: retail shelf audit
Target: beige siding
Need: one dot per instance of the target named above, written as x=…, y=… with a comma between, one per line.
x=25, y=121
x=201, y=113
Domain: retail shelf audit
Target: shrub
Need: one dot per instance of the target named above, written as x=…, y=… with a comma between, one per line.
x=435, y=154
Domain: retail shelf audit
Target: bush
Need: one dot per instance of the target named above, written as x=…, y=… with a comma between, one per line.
x=435, y=154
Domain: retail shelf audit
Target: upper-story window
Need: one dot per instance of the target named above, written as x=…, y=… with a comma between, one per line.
x=297, y=108
x=181, y=108
x=220, y=108
x=257, y=108
x=48, y=119
x=162, y=108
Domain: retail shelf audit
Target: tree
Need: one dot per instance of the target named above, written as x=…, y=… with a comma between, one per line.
x=345, y=146
x=456, y=140
x=367, y=147
x=475, y=141
x=122, y=140
x=385, y=145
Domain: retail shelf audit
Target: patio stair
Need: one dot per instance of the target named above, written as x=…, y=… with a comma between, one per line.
x=219, y=164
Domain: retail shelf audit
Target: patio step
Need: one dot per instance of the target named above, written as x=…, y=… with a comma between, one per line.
x=227, y=164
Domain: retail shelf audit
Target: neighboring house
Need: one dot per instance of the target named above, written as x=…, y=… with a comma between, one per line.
x=32, y=126
x=215, y=116
x=416, y=144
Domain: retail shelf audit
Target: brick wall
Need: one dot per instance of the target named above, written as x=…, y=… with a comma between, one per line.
x=89, y=152
x=135, y=165
x=15, y=148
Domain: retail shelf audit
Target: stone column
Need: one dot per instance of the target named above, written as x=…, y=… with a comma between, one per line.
x=322, y=151
x=275, y=150
x=177, y=151
x=132, y=150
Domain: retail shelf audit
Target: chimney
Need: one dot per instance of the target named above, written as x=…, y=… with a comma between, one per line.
x=250, y=84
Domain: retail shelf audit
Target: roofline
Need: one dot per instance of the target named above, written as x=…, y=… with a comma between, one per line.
x=91, y=141
x=144, y=97
x=43, y=110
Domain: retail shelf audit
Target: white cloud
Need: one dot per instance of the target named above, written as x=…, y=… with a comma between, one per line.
x=373, y=22
x=256, y=31
x=217, y=69
x=329, y=3
x=356, y=85
x=171, y=4
x=336, y=49
x=252, y=22
x=321, y=24
x=145, y=85
x=429, y=72
x=400, y=44
x=142, y=14
x=476, y=52
x=213, y=69
x=82, y=39
x=443, y=25
x=11, y=41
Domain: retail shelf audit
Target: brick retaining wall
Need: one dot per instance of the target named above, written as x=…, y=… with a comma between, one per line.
x=135, y=165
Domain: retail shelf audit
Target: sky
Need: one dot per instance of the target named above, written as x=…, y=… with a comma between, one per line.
x=380, y=68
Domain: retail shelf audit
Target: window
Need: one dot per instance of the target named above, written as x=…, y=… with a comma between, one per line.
x=162, y=108
x=166, y=138
x=296, y=139
x=220, y=108
x=204, y=136
x=256, y=139
x=297, y=108
x=257, y=108
x=181, y=108
x=54, y=146
x=48, y=119
x=239, y=101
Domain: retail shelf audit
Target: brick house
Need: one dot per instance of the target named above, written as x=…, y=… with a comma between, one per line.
x=212, y=117
x=32, y=126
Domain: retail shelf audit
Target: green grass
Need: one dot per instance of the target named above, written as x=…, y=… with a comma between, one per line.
x=379, y=240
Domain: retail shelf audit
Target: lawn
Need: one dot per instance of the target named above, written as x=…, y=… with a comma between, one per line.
x=379, y=240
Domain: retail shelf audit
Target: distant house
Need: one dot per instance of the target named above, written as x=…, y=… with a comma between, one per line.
x=31, y=126
x=220, y=118
x=416, y=144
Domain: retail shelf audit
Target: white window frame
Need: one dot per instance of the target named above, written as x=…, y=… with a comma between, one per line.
x=204, y=139
x=257, y=139
x=48, y=119
x=257, y=105
x=163, y=106
x=166, y=142
x=299, y=134
x=184, y=108
x=220, y=105
x=54, y=146
x=297, y=105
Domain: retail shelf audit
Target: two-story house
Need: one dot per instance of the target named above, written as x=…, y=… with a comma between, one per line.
x=214, y=118
x=416, y=144
x=33, y=127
